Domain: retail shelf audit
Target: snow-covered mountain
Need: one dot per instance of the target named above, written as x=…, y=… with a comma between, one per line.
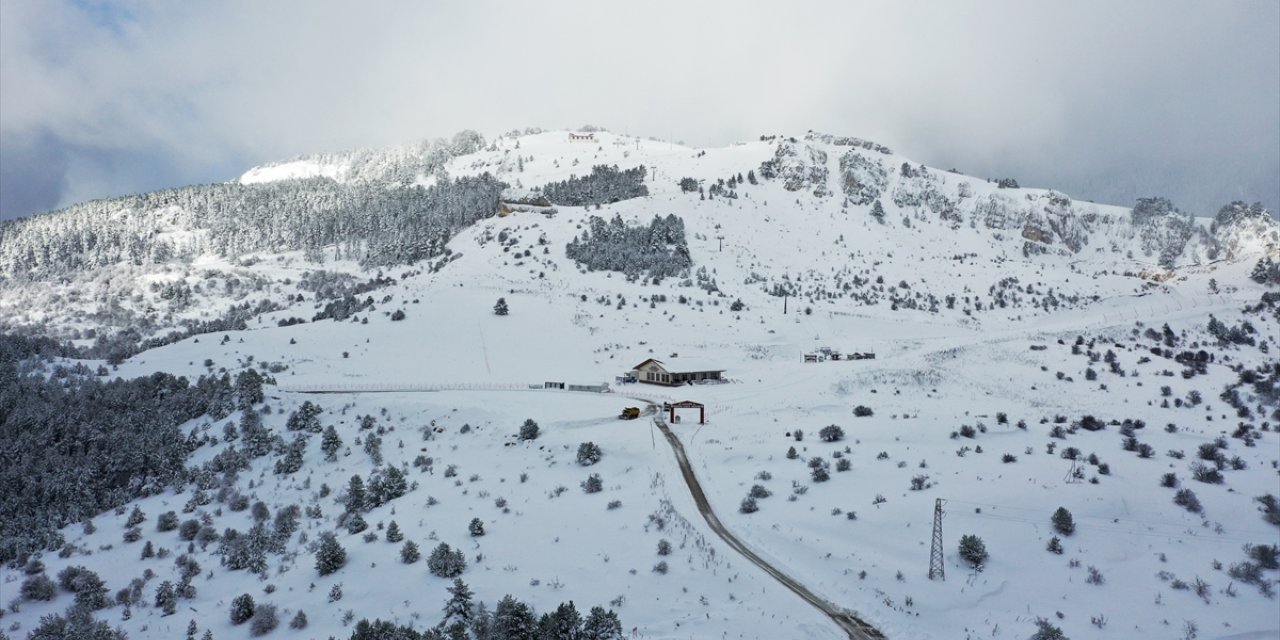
x=115, y=263
x=1032, y=352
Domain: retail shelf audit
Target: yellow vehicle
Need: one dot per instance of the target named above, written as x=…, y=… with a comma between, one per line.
x=630, y=413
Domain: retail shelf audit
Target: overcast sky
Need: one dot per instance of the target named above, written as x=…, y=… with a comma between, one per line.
x=1103, y=100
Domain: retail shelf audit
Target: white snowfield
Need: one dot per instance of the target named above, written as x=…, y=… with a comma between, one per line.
x=295, y=170
x=453, y=381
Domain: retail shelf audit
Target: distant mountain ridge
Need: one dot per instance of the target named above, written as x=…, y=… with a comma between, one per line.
x=865, y=173
x=161, y=261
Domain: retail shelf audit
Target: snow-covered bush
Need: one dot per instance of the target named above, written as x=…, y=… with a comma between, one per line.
x=529, y=430
x=1063, y=522
x=831, y=433
x=264, y=621
x=589, y=453
x=973, y=550
x=241, y=608
x=445, y=562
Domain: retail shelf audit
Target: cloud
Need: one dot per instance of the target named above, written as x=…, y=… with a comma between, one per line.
x=1106, y=101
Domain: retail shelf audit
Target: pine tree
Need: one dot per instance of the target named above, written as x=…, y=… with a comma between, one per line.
x=1046, y=631
x=292, y=460
x=409, y=553
x=877, y=211
x=1062, y=522
x=514, y=620
x=601, y=624
x=148, y=550
x=306, y=418
x=90, y=592
x=476, y=528
x=458, y=607
x=38, y=588
x=393, y=532
x=565, y=623
x=331, y=443
x=330, y=556
x=386, y=486
x=356, y=524
x=481, y=626
x=136, y=517
x=445, y=562
x=973, y=550
x=241, y=609
x=168, y=521
x=166, y=599
x=529, y=430
x=354, y=500
x=1055, y=545
x=249, y=389
x=257, y=440
x=500, y=308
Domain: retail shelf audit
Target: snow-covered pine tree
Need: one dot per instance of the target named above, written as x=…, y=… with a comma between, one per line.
x=877, y=211
x=563, y=623
x=601, y=625
x=306, y=418
x=409, y=553
x=529, y=430
x=354, y=499
x=1062, y=522
x=393, y=532
x=166, y=599
x=241, y=609
x=331, y=443
x=514, y=619
x=458, y=608
x=330, y=556
x=445, y=562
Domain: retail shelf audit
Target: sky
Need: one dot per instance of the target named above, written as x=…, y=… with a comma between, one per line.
x=1106, y=101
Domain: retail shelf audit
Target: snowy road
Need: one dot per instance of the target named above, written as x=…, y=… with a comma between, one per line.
x=847, y=621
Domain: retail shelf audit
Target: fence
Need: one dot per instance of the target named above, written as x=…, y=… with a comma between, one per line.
x=390, y=387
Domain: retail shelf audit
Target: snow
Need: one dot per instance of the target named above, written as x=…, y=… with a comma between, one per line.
x=295, y=170
x=934, y=372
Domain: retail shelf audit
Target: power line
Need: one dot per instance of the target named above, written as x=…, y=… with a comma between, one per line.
x=1110, y=519
x=1119, y=531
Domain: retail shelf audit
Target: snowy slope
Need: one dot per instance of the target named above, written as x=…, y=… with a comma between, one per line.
x=929, y=290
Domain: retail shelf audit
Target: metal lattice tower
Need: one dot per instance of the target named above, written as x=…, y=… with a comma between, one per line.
x=936, y=568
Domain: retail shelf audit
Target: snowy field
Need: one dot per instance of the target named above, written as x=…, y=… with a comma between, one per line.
x=964, y=401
